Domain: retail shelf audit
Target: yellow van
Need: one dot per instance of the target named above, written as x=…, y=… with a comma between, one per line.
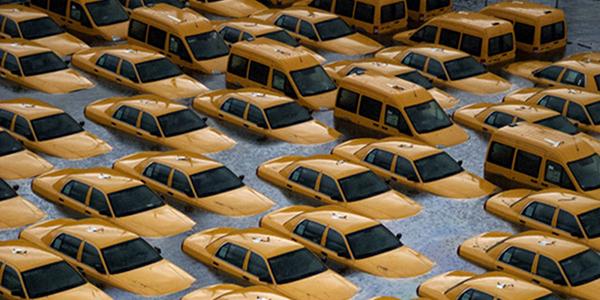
x=281, y=68
x=396, y=107
x=371, y=16
x=183, y=35
x=105, y=19
x=538, y=28
x=489, y=39
x=420, y=11
x=530, y=156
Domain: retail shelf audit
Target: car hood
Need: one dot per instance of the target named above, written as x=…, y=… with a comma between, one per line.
x=22, y=164
x=215, y=65
x=114, y=32
x=402, y=262
x=317, y=56
x=311, y=288
x=205, y=140
x=76, y=146
x=592, y=193
x=64, y=44
x=487, y=83
x=595, y=243
x=17, y=212
x=525, y=68
x=404, y=37
x=162, y=221
x=445, y=137
x=521, y=95
x=243, y=201
x=311, y=132
x=445, y=100
x=160, y=278
x=175, y=88
x=388, y=205
x=463, y=185
x=86, y=291
x=588, y=291
x=353, y=44
x=59, y=82
x=322, y=101
x=233, y=8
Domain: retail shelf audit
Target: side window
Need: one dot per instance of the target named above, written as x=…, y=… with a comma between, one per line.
x=287, y=22
x=247, y=37
x=233, y=254
x=551, y=73
x=91, y=257
x=305, y=177
x=310, y=230
x=540, y=212
x=556, y=174
x=548, y=269
x=237, y=65
x=364, y=12
x=394, y=118
x=22, y=128
x=573, y=78
x=347, y=100
x=137, y=30
x=519, y=258
x=307, y=30
x=553, y=103
x=108, y=62
x=329, y=188
x=11, y=64
x=499, y=119
x=258, y=267
x=280, y=82
x=98, y=202
x=471, y=44
x=149, y=125
x=405, y=169
x=128, y=71
x=527, y=163
x=425, y=35
x=413, y=5
x=78, y=14
x=127, y=114
x=67, y=245
x=40, y=3
x=576, y=112
x=370, y=108
x=156, y=37
x=380, y=158
x=435, y=68
x=321, y=4
x=344, y=8
x=235, y=107
x=259, y=73
x=597, y=78
x=177, y=47
x=335, y=242
x=181, y=183
x=567, y=222
x=59, y=7
x=76, y=191
x=472, y=294
x=230, y=35
x=11, y=281
x=6, y=118
x=256, y=116
x=524, y=33
x=11, y=29
x=449, y=38
x=158, y=172
x=501, y=155
x=414, y=60
x=135, y=4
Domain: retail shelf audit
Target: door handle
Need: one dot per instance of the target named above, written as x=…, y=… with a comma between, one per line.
x=555, y=233
x=323, y=253
x=318, y=197
x=485, y=129
x=535, y=281
x=533, y=180
x=113, y=123
x=393, y=178
x=61, y=199
x=138, y=133
x=69, y=21
x=88, y=212
x=384, y=127
x=289, y=185
x=221, y=115
x=2, y=74
x=544, y=184
x=499, y=268
x=118, y=79
x=215, y=263
x=375, y=124
x=245, y=277
x=522, y=221
x=95, y=70
x=170, y=193
x=246, y=125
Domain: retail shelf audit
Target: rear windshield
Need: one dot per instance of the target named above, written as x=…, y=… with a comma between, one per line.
x=282, y=36
x=287, y=114
x=500, y=44
x=333, y=29
x=591, y=223
x=134, y=200
x=392, y=12
x=464, y=68
x=416, y=78
x=107, y=12
x=39, y=28
x=427, y=117
x=6, y=192
x=8, y=144
x=312, y=81
x=207, y=45
x=157, y=69
x=594, y=108
x=55, y=126
x=215, y=181
x=180, y=122
x=553, y=32
x=41, y=63
x=437, y=4
x=560, y=123
x=51, y=279
x=363, y=185
x=129, y=255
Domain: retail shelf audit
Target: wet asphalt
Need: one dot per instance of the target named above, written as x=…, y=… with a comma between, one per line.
x=436, y=231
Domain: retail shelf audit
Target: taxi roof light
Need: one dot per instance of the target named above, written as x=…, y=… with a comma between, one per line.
x=339, y=216
x=546, y=243
x=104, y=176
x=95, y=229
x=19, y=251
x=261, y=239
x=504, y=285
x=553, y=143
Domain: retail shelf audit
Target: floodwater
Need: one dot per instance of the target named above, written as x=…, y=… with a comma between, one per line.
x=436, y=231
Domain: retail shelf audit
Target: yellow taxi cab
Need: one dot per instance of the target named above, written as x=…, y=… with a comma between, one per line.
x=28, y=64
x=320, y=30
x=195, y=180
x=342, y=68
x=110, y=195
x=415, y=165
x=349, y=239
x=580, y=107
x=538, y=28
x=16, y=211
x=576, y=215
x=108, y=254
x=160, y=121
x=105, y=19
x=236, y=30
x=270, y=64
x=525, y=155
x=266, y=113
x=490, y=40
x=566, y=267
x=227, y=291
x=34, y=25
x=396, y=107
x=32, y=273
x=228, y=8
x=48, y=129
x=447, y=67
x=370, y=16
x=420, y=11
x=17, y=162
x=139, y=69
x=488, y=117
x=332, y=180
x=183, y=35
x=461, y=285
x=262, y=257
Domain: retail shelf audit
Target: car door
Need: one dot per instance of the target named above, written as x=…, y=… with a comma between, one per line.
x=548, y=76
x=311, y=234
x=405, y=173
x=290, y=24
x=577, y=113
x=148, y=128
x=335, y=247
x=255, y=119
x=492, y=120
x=538, y=215
x=22, y=131
x=233, y=110
x=127, y=75
x=11, y=69
x=91, y=263
x=57, y=9
x=257, y=271
x=328, y=191
x=230, y=35
x=566, y=225
x=11, y=286
x=231, y=258
x=157, y=176
x=180, y=185
x=573, y=78
x=79, y=19
x=395, y=123
x=304, y=181
x=380, y=162
x=74, y=194
x=369, y=112
x=99, y=205
x=516, y=261
x=107, y=66
x=126, y=119
x=68, y=247
x=548, y=274
x=526, y=169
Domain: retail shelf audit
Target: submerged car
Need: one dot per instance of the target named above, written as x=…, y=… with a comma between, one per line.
x=278, y=263
x=195, y=180
x=415, y=165
x=349, y=239
x=227, y=291
x=160, y=121
x=228, y=8
x=36, y=67
x=139, y=69
x=16, y=211
x=107, y=194
x=110, y=255
x=45, y=128
x=266, y=113
x=447, y=67
x=17, y=162
x=342, y=183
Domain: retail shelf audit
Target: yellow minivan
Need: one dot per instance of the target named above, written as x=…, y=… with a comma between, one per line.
x=489, y=39
x=281, y=68
x=183, y=35
x=105, y=19
x=538, y=28
x=420, y=11
x=371, y=16
x=524, y=155
x=396, y=107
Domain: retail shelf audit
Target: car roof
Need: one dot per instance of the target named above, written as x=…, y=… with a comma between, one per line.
x=546, y=244
x=24, y=256
x=439, y=52
x=253, y=27
x=181, y=21
x=343, y=221
x=263, y=242
x=188, y=162
x=381, y=66
x=332, y=165
x=567, y=200
x=20, y=13
x=525, y=112
x=472, y=19
x=583, y=66
x=504, y=286
x=309, y=14
x=20, y=47
x=30, y=108
x=104, y=179
x=132, y=53
x=155, y=105
x=405, y=147
x=277, y=52
x=524, y=9
x=260, y=97
x=101, y=233
x=579, y=96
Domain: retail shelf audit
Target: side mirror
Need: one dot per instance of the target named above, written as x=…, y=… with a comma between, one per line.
x=399, y=236
x=460, y=163
x=15, y=187
x=241, y=177
x=81, y=123
x=158, y=250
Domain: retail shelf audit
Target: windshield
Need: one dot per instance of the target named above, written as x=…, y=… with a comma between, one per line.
x=282, y=36
x=207, y=45
x=437, y=166
x=362, y=186
x=372, y=241
x=157, y=69
x=129, y=255
x=134, y=200
x=41, y=63
x=287, y=114
x=594, y=108
x=176, y=3
x=333, y=29
x=215, y=181
x=295, y=265
x=180, y=122
x=464, y=68
x=416, y=78
x=582, y=268
x=559, y=123
x=437, y=4
x=39, y=28
x=51, y=279
x=8, y=144
x=427, y=117
x=55, y=126
x=107, y=12
x=591, y=223
x=312, y=81
x=587, y=172
x=6, y=192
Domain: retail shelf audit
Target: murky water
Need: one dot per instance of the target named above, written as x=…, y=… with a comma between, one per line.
x=436, y=232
